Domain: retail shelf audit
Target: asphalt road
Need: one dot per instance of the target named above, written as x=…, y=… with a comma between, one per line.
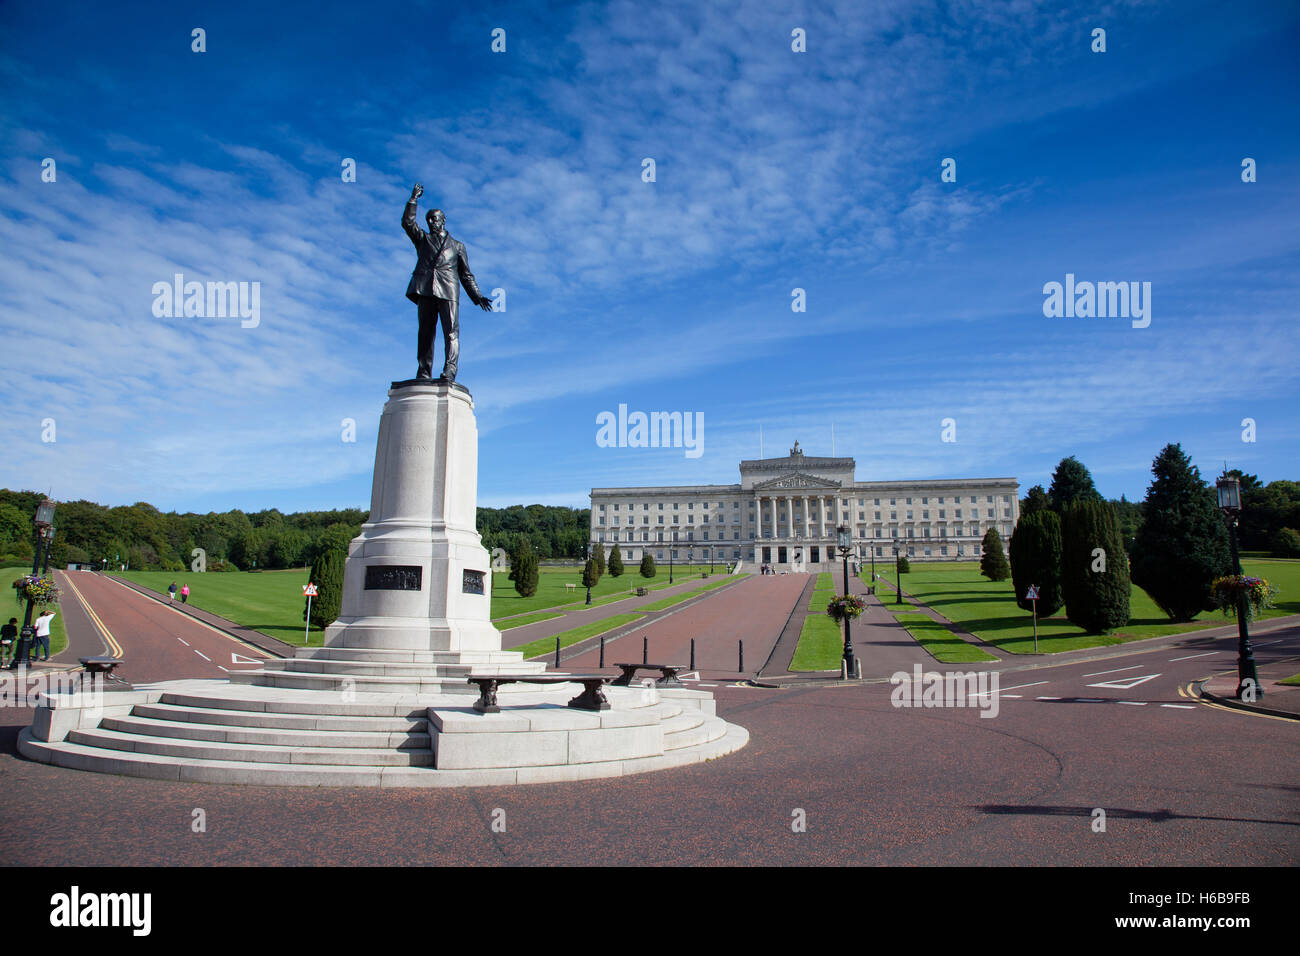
x=1182, y=782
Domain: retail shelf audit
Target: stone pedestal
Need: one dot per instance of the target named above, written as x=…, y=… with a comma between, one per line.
x=418, y=576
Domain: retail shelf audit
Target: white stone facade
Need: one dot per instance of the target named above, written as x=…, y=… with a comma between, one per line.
x=784, y=512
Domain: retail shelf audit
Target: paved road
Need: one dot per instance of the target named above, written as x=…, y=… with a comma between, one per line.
x=1183, y=784
x=157, y=643
x=753, y=610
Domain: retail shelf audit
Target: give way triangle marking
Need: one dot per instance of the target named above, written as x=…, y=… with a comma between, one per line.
x=1125, y=683
x=240, y=659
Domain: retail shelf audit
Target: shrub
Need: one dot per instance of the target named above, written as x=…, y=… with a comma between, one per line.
x=1094, y=567
x=327, y=575
x=1036, y=560
x=993, y=560
x=647, y=566
x=616, y=562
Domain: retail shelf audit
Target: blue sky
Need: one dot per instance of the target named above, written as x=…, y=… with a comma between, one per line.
x=775, y=170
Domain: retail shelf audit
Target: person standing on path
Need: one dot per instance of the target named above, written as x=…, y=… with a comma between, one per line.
x=185, y=594
x=8, y=637
x=42, y=638
x=171, y=591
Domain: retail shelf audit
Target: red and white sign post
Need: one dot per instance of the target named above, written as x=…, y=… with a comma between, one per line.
x=310, y=591
x=1032, y=596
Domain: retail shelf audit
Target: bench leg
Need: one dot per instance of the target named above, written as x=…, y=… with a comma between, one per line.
x=487, y=701
x=625, y=680
x=591, y=698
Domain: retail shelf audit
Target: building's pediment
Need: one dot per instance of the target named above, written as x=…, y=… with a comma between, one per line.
x=798, y=480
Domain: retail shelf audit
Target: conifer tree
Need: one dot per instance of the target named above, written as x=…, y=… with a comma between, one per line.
x=1094, y=567
x=327, y=575
x=1182, y=545
x=616, y=562
x=993, y=559
x=523, y=569
x=647, y=566
x=1070, y=482
x=1036, y=560
x=598, y=555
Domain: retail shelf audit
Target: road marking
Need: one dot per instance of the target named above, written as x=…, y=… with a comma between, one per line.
x=1125, y=683
x=224, y=669
x=1267, y=643
x=1047, y=698
x=1012, y=696
x=1180, y=706
x=1191, y=657
x=1087, y=700
x=114, y=648
x=1115, y=671
x=241, y=659
x=204, y=656
x=708, y=685
x=183, y=641
x=1133, y=703
x=1019, y=686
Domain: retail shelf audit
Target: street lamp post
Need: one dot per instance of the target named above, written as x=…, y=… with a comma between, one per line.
x=671, y=552
x=898, y=576
x=844, y=539
x=584, y=570
x=44, y=526
x=1229, y=490
x=872, y=548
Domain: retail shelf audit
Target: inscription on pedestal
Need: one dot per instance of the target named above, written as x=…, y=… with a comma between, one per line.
x=473, y=582
x=393, y=577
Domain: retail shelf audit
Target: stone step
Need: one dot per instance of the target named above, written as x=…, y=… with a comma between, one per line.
x=305, y=665
x=256, y=718
x=250, y=753
x=277, y=737
x=302, y=704
x=360, y=683
x=688, y=719
x=388, y=655
x=707, y=731
x=80, y=757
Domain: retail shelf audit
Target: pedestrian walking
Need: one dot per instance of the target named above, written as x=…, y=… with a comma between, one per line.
x=42, y=634
x=8, y=637
x=171, y=591
x=185, y=594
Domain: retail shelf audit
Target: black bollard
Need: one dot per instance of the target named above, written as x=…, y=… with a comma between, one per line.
x=645, y=650
x=557, y=652
x=692, y=667
x=602, y=652
x=742, y=656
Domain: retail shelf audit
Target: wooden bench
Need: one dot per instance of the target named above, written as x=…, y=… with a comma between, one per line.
x=667, y=674
x=101, y=665
x=570, y=587
x=591, y=698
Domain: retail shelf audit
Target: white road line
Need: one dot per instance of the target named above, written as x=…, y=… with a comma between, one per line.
x=204, y=656
x=1012, y=696
x=183, y=641
x=1133, y=703
x=1192, y=656
x=1115, y=671
x=1047, y=698
x=1266, y=643
x=224, y=669
x=708, y=685
x=1180, y=706
x=1034, y=684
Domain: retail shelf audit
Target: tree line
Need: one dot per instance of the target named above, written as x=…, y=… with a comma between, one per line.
x=144, y=538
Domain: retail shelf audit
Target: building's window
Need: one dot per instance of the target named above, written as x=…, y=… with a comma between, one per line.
x=927, y=552
x=909, y=515
x=690, y=505
x=877, y=515
x=674, y=506
x=911, y=533
x=616, y=507
x=862, y=516
x=909, y=501
x=645, y=535
x=690, y=519
x=735, y=536
x=927, y=532
x=990, y=501
x=659, y=555
x=990, y=512
x=892, y=502
x=706, y=536
x=878, y=533
x=661, y=508
x=602, y=520
x=944, y=550
x=661, y=519
x=645, y=519
x=879, y=551
x=957, y=513
x=943, y=512
x=973, y=500
x=893, y=516
x=925, y=515
x=602, y=507
x=1006, y=497
x=941, y=501
x=925, y=501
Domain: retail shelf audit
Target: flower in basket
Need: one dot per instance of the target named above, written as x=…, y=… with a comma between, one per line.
x=845, y=606
x=1258, y=592
x=40, y=591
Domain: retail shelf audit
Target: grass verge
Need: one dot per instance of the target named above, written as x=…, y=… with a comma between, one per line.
x=546, y=645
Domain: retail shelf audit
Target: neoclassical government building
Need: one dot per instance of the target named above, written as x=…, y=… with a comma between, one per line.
x=784, y=512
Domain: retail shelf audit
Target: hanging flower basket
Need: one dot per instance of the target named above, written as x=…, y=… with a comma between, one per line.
x=40, y=591
x=845, y=606
x=1259, y=594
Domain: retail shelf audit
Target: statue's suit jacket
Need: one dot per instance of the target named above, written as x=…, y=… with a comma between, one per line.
x=439, y=265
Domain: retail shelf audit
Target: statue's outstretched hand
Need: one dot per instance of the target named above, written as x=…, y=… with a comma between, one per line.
x=485, y=304
x=417, y=191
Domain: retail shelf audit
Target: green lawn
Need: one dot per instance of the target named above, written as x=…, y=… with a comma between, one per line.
x=546, y=645
x=266, y=601
x=58, y=634
x=942, y=644
x=821, y=640
x=1292, y=681
x=987, y=609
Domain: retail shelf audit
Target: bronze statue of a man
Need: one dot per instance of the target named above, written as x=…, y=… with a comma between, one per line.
x=440, y=270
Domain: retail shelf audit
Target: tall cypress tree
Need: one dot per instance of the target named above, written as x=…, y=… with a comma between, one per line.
x=523, y=569
x=1094, y=567
x=327, y=575
x=1182, y=545
x=993, y=560
x=1035, y=500
x=1036, y=560
x=1070, y=482
x=615, y=562
x=598, y=555
x=647, y=566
